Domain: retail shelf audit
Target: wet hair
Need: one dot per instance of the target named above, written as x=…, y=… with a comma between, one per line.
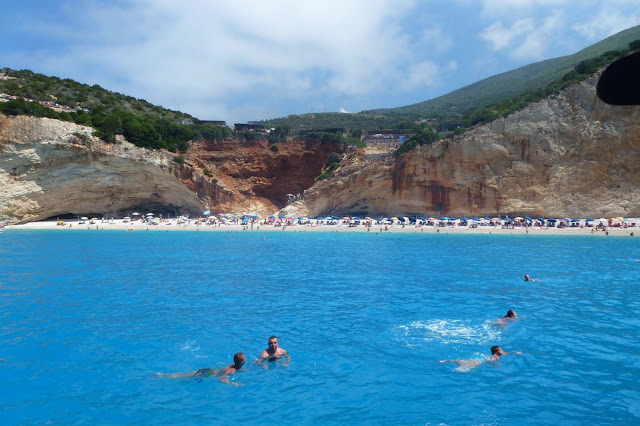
x=510, y=313
x=495, y=349
x=238, y=358
x=273, y=337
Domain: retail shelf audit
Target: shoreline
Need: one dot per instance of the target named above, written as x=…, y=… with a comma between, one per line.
x=120, y=225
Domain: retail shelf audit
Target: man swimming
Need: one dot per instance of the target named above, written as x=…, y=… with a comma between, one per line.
x=496, y=353
x=528, y=278
x=223, y=373
x=273, y=352
x=511, y=316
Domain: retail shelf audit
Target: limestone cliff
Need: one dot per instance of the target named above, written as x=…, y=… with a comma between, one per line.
x=50, y=168
x=569, y=155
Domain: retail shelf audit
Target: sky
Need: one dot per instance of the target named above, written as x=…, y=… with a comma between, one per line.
x=239, y=61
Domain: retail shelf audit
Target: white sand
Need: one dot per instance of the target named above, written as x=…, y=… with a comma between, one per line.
x=171, y=225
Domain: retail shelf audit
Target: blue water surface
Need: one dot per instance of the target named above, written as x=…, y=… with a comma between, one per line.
x=89, y=317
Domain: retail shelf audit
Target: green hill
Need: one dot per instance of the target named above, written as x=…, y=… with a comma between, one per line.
x=500, y=94
x=512, y=83
x=110, y=113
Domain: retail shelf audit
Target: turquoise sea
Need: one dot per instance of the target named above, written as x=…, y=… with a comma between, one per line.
x=88, y=317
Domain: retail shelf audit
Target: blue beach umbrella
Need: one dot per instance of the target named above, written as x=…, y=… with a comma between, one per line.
x=206, y=213
x=552, y=220
x=590, y=220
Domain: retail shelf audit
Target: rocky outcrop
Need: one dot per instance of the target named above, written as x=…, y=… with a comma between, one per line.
x=50, y=168
x=568, y=155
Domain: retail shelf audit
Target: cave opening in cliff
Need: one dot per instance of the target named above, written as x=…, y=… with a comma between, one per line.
x=164, y=210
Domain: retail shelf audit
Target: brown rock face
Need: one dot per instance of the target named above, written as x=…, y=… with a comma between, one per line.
x=567, y=156
x=51, y=168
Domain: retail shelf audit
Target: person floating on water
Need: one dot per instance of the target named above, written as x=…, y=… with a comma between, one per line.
x=528, y=278
x=222, y=373
x=496, y=353
x=273, y=352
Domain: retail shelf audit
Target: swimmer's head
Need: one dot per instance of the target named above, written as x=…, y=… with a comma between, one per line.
x=511, y=314
x=273, y=342
x=238, y=359
x=497, y=350
x=527, y=278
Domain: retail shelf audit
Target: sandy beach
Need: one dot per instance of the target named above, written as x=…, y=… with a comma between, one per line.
x=171, y=225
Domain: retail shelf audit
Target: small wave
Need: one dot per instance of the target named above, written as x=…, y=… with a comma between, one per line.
x=447, y=331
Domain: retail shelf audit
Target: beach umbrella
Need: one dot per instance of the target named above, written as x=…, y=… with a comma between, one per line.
x=432, y=218
x=346, y=218
x=394, y=218
x=126, y=217
x=495, y=219
x=367, y=218
x=552, y=220
x=149, y=214
x=518, y=218
x=464, y=218
x=422, y=218
x=135, y=214
x=84, y=218
x=206, y=213
x=590, y=220
x=575, y=220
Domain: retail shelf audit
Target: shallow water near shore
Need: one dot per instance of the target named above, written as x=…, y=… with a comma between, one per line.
x=88, y=318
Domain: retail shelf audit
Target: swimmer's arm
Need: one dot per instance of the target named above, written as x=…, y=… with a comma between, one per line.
x=287, y=356
x=225, y=379
x=264, y=355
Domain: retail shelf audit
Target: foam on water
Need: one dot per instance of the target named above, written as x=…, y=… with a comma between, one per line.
x=447, y=331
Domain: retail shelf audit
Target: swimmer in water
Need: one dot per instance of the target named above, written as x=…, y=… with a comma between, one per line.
x=496, y=353
x=222, y=373
x=528, y=278
x=273, y=352
x=511, y=316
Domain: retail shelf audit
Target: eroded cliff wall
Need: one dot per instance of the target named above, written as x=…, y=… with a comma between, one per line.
x=50, y=168
x=568, y=155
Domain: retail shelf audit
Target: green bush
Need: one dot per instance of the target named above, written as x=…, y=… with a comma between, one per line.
x=208, y=173
x=274, y=148
x=178, y=159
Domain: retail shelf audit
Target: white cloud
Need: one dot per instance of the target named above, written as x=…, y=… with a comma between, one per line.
x=526, y=39
x=167, y=52
x=420, y=75
x=606, y=22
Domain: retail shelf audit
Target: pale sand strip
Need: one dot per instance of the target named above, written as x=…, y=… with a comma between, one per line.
x=137, y=226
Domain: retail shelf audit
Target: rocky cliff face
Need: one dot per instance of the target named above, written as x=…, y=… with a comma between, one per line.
x=567, y=156
x=51, y=168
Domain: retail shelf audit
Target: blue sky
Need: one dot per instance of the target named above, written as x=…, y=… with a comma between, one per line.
x=250, y=60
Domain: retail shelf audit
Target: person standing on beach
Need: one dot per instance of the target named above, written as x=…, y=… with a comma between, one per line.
x=273, y=352
x=223, y=373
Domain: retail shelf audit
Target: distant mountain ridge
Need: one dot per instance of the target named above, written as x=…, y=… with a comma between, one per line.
x=511, y=83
